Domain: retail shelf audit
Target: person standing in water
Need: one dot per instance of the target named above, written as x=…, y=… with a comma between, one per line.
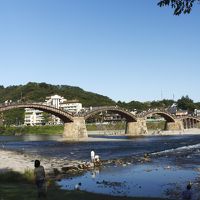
x=92, y=156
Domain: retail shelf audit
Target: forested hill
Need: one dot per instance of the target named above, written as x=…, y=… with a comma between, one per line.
x=37, y=92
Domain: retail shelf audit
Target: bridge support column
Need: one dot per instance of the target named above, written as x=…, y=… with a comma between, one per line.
x=75, y=130
x=189, y=123
x=184, y=123
x=136, y=128
x=175, y=126
x=192, y=123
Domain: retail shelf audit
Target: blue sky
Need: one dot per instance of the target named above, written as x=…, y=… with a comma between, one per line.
x=124, y=49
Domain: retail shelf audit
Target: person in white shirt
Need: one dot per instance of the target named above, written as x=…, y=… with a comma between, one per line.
x=92, y=156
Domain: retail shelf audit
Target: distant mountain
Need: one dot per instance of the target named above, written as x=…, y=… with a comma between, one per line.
x=37, y=92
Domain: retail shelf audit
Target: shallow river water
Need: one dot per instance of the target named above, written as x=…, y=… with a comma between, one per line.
x=174, y=162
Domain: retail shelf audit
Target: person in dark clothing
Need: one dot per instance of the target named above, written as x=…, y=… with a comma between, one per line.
x=187, y=194
x=39, y=173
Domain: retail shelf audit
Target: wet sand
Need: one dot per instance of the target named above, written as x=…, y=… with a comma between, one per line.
x=19, y=162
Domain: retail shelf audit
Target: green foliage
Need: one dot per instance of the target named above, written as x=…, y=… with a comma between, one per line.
x=140, y=106
x=156, y=125
x=179, y=6
x=112, y=126
x=133, y=105
x=14, y=117
x=29, y=176
x=185, y=103
x=10, y=130
x=37, y=92
x=197, y=105
x=47, y=117
x=16, y=177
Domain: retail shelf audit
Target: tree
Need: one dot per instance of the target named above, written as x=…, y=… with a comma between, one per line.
x=185, y=103
x=179, y=6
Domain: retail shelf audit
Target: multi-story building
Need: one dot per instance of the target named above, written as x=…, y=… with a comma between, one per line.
x=55, y=101
x=59, y=102
x=33, y=117
x=72, y=106
x=197, y=113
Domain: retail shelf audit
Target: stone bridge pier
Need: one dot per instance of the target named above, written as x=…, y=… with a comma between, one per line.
x=136, y=128
x=75, y=130
x=174, y=126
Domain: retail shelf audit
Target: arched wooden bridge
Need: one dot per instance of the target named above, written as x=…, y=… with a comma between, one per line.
x=74, y=125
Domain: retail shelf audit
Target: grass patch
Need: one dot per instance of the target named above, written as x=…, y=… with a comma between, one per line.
x=50, y=130
x=10, y=130
x=156, y=125
x=16, y=177
x=103, y=127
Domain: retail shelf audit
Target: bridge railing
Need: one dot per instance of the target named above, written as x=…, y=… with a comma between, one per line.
x=93, y=109
x=145, y=113
x=61, y=111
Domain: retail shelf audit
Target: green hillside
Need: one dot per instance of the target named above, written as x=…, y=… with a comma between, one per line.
x=37, y=92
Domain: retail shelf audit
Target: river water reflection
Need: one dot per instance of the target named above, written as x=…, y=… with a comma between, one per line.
x=139, y=180
x=175, y=161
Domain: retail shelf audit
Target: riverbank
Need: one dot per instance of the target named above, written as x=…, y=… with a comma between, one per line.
x=20, y=161
x=58, y=129
x=22, y=130
x=15, y=186
x=20, y=183
x=16, y=191
x=134, y=170
x=117, y=134
x=194, y=131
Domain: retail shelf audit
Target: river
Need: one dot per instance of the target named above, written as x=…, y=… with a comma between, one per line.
x=174, y=162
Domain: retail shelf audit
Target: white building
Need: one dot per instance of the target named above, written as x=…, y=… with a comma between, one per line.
x=71, y=106
x=33, y=117
x=59, y=102
x=55, y=101
x=197, y=113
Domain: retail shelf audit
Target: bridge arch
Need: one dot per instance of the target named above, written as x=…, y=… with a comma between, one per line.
x=66, y=117
x=190, y=117
x=190, y=122
x=167, y=116
x=124, y=113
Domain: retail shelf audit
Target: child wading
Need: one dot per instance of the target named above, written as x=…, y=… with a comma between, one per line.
x=40, y=179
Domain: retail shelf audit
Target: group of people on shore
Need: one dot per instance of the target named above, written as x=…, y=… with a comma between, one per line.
x=40, y=177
